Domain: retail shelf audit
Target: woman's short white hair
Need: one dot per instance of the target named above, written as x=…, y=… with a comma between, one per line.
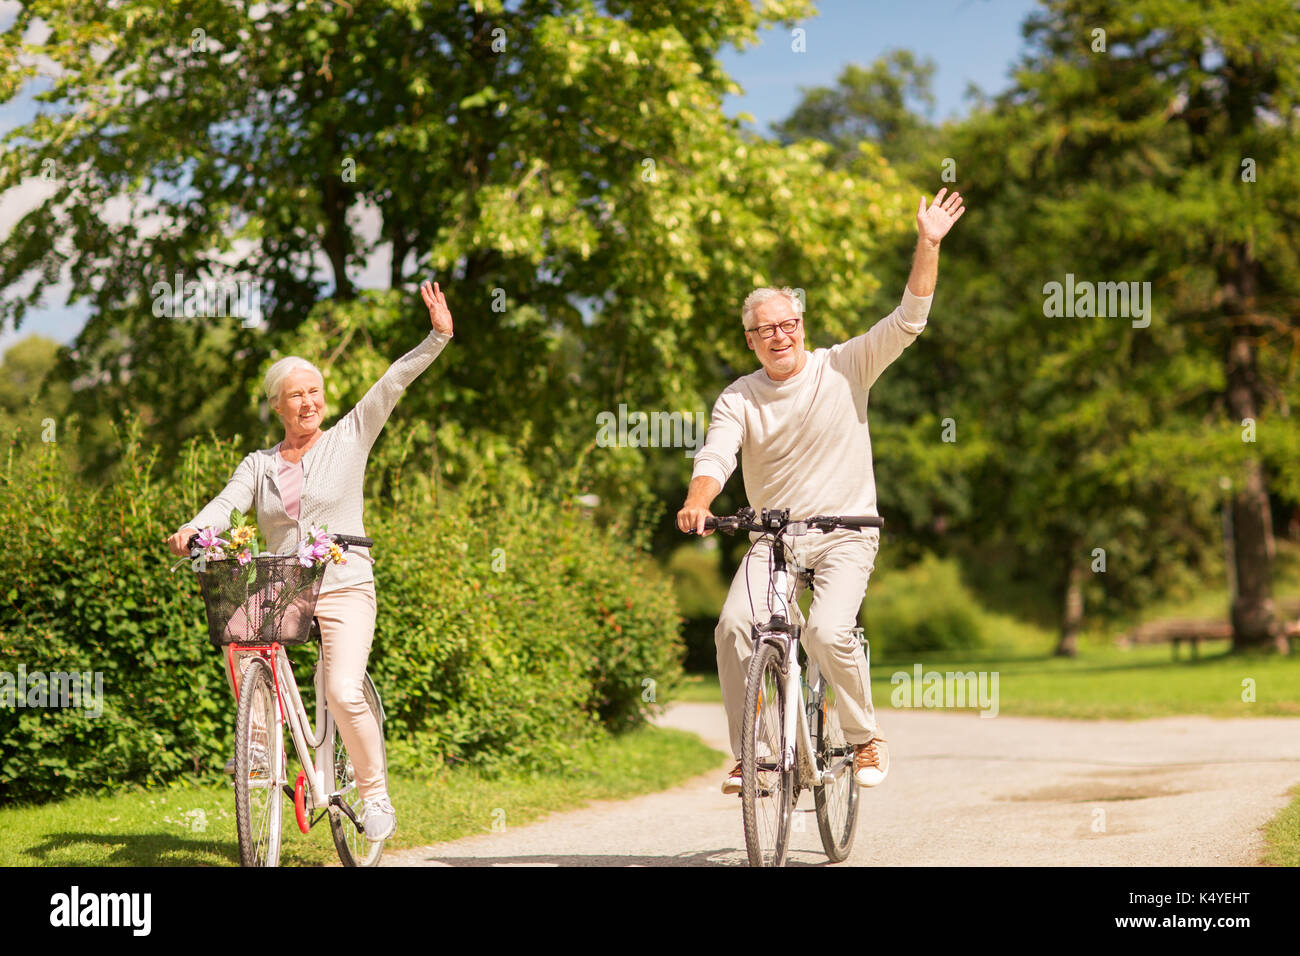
x=759, y=296
x=278, y=372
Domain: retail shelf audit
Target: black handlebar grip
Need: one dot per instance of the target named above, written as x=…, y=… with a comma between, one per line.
x=353, y=541
x=861, y=521
x=193, y=543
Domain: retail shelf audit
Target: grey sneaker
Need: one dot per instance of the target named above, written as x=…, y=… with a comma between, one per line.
x=379, y=819
x=259, y=757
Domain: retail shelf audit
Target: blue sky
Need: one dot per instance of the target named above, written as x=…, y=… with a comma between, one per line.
x=971, y=41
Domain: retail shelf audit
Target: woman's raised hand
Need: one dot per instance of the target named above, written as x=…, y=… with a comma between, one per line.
x=439, y=314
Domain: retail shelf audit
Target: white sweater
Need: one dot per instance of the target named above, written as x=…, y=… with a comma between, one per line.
x=333, y=474
x=804, y=441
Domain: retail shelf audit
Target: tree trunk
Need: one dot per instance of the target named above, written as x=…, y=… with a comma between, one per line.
x=1072, y=613
x=1254, y=617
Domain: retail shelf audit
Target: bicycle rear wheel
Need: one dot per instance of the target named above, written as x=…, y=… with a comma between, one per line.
x=837, y=801
x=766, y=793
x=259, y=767
x=350, y=841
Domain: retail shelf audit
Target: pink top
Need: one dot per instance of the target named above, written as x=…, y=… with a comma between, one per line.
x=289, y=478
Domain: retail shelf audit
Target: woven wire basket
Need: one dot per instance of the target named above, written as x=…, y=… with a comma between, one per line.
x=269, y=600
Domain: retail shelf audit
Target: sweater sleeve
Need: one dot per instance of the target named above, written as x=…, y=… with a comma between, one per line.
x=873, y=351
x=238, y=493
x=726, y=433
x=367, y=418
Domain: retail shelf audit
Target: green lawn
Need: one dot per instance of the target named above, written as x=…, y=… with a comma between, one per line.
x=195, y=826
x=1099, y=683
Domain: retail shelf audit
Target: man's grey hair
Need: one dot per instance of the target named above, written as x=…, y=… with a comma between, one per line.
x=759, y=296
x=278, y=372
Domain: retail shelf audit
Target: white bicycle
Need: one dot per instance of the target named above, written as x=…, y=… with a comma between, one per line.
x=790, y=744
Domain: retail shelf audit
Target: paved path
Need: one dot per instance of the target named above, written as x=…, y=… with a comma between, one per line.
x=963, y=790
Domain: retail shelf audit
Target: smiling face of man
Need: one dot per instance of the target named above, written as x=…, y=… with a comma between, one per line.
x=783, y=354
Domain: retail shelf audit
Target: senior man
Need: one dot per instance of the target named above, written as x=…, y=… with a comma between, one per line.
x=800, y=424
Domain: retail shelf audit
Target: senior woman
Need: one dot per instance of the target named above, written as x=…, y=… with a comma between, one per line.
x=314, y=477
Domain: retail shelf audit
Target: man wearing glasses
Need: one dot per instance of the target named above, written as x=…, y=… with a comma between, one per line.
x=800, y=423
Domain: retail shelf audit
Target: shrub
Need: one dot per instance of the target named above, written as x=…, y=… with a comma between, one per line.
x=925, y=607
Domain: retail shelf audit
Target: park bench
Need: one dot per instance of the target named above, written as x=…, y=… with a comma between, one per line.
x=1177, y=631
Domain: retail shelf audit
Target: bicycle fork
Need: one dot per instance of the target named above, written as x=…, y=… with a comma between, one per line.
x=798, y=740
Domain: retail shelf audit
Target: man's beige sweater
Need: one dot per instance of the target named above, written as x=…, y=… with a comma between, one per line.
x=804, y=441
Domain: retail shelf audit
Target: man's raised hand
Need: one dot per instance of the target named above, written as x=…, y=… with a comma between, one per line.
x=439, y=314
x=933, y=223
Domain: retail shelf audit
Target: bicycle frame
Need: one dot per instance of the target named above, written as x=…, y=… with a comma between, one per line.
x=784, y=630
x=294, y=714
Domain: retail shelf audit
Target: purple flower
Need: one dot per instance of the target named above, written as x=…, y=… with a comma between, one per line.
x=245, y=556
x=305, y=556
x=209, y=539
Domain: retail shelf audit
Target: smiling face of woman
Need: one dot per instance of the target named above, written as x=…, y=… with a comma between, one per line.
x=302, y=404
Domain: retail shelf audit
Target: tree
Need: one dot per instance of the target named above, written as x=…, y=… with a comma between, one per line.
x=563, y=167
x=1165, y=115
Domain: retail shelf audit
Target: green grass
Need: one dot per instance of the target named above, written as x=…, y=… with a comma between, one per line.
x=1102, y=682
x=158, y=828
x=700, y=688
x=1282, y=835
x=1108, y=682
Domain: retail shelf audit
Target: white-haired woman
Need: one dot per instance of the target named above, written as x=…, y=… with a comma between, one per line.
x=314, y=476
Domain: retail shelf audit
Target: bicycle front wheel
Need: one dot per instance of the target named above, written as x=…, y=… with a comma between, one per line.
x=354, y=849
x=836, y=801
x=766, y=793
x=259, y=766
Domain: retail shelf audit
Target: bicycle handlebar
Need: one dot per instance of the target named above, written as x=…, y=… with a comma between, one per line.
x=772, y=520
x=344, y=541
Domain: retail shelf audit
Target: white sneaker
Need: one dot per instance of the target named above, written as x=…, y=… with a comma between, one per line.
x=379, y=819
x=733, y=782
x=871, y=761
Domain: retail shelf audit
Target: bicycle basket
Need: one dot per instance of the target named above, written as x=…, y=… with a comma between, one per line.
x=272, y=599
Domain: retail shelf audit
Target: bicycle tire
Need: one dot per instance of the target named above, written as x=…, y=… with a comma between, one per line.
x=766, y=795
x=353, y=847
x=836, y=802
x=259, y=765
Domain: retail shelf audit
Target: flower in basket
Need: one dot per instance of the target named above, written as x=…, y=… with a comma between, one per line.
x=317, y=547
x=241, y=545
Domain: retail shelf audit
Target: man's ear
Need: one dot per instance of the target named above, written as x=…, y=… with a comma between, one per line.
x=748, y=343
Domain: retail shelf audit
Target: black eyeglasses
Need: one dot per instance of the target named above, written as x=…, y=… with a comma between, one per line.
x=768, y=331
